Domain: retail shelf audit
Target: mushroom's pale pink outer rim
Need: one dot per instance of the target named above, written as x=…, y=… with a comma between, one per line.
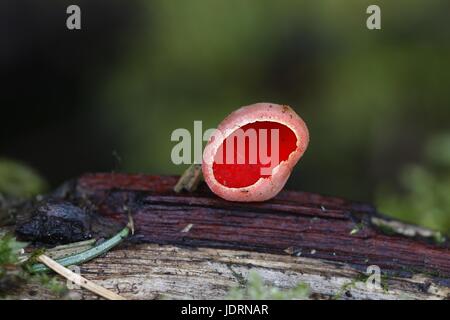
x=264, y=188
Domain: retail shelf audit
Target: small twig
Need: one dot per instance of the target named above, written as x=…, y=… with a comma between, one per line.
x=76, y=278
x=187, y=228
x=190, y=179
x=130, y=223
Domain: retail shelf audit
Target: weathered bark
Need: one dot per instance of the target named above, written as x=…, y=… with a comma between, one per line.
x=149, y=271
x=194, y=244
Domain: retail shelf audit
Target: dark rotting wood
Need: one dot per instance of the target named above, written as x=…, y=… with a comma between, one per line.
x=294, y=223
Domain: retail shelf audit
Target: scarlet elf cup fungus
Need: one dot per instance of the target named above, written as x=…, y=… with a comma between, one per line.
x=253, y=151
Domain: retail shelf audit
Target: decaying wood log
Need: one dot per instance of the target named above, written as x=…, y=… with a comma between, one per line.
x=195, y=245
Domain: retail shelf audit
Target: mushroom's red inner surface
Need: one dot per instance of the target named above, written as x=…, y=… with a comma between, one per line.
x=237, y=175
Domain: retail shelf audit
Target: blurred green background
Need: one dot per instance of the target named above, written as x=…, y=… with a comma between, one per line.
x=377, y=103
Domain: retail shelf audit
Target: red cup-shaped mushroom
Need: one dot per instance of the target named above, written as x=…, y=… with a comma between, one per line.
x=251, y=154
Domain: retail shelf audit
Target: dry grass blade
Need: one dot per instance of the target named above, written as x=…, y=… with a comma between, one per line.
x=76, y=278
x=190, y=179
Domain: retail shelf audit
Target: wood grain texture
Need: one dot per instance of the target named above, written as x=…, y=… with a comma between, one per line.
x=149, y=271
x=292, y=222
x=186, y=245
